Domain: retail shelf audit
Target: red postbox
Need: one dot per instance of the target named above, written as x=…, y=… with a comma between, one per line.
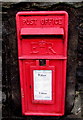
x=42, y=55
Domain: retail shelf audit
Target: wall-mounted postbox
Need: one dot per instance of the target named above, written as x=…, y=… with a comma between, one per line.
x=42, y=55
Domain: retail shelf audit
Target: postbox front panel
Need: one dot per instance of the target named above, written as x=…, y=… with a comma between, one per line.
x=42, y=54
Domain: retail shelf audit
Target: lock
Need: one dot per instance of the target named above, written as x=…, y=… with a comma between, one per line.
x=42, y=55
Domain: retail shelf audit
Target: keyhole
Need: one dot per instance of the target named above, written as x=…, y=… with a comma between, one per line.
x=42, y=62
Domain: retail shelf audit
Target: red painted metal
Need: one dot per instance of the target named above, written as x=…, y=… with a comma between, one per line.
x=42, y=35
x=42, y=31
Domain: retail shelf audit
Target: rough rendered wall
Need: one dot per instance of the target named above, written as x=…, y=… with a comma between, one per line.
x=11, y=82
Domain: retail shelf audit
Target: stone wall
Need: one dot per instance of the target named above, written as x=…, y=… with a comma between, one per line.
x=11, y=83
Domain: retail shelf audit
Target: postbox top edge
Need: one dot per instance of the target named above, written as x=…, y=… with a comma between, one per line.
x=41, y=13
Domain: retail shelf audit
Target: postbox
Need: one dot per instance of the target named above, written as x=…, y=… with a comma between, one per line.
x=42, y=55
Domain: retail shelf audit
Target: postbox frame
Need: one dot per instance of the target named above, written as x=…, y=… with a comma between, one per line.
x=24, y=58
